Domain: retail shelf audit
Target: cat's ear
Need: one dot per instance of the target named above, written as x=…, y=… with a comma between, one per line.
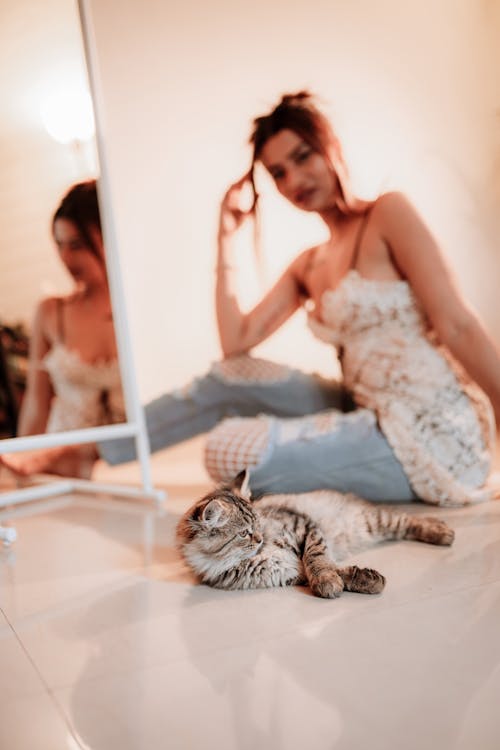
x=240, y=484
x=213, y=513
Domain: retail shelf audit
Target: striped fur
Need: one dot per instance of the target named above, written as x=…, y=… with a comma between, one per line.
x=231, y=542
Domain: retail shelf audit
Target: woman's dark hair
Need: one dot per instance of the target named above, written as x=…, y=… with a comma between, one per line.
x=80, y=206
x=299, y=112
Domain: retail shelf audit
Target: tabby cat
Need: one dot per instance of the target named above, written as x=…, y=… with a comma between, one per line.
x=233, y=543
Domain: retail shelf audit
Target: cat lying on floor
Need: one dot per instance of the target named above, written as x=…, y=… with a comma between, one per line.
x=279, y=540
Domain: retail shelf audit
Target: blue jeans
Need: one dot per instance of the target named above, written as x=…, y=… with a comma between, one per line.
x=353, y=457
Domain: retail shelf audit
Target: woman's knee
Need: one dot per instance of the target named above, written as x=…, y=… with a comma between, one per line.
x=235, y=444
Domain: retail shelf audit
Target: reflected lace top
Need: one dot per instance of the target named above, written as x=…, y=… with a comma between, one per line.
x=438, y=422
x=86, y=394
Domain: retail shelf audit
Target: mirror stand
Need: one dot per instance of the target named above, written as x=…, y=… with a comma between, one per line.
x=45, y=488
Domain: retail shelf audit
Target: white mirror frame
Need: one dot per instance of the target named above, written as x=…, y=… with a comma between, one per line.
x=135, y=426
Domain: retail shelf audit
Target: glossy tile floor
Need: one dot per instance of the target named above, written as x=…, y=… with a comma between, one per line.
x=105, y=641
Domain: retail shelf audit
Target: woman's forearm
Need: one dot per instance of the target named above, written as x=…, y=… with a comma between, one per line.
x=476, y=351
x=230, y=318
x=32, y=421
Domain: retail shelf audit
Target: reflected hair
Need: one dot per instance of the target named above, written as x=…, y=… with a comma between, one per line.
x=300, y=113
x=80, y=206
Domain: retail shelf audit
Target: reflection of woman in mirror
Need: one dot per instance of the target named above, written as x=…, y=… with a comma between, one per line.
x=73, y=375
x=412, y=417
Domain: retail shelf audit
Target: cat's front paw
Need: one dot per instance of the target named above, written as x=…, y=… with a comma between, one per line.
x=362, y=580
x=328, y=585
x=367, y=581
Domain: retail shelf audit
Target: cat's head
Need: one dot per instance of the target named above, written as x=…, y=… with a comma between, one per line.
x=221, y=530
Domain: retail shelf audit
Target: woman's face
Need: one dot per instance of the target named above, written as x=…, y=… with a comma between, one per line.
x=77, y=256
x=302, y=175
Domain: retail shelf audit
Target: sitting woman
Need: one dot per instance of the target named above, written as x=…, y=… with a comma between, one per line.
x=73, y=375
x=413, y=416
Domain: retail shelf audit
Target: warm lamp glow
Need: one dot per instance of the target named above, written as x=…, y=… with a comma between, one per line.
x=68, y=115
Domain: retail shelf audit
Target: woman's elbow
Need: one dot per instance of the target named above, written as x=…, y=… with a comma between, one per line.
x=234, y=350
x=453, y=330
x=237, y=343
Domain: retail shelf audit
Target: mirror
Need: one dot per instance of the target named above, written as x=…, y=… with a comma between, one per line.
x=50, y=262
x=54, y=291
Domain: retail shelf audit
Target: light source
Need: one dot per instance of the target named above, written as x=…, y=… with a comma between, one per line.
x=68, y=116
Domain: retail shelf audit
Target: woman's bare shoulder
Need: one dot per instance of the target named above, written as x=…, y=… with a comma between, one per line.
x=47, y=307
x=46, y=314
x=302, y=261
x=392, y=206
x=391, y=199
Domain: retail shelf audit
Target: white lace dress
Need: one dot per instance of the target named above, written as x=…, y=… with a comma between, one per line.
x=438, y=422
x=86, y=394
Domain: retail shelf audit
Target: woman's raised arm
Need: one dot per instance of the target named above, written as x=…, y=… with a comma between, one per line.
x=239, y=331
x=417, y=255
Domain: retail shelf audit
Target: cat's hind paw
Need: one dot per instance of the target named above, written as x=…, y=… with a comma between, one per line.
x=433, y=531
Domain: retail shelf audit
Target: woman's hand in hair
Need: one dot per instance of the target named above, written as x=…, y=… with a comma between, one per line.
x=235, y=207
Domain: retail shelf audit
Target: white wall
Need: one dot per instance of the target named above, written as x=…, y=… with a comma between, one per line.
x=412, y=88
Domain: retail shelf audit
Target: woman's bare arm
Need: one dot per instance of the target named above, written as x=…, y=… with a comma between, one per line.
x=419, y=258
x=238, y=331
x=38, y=395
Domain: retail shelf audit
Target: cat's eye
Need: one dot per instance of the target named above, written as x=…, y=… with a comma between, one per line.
x=243, y=533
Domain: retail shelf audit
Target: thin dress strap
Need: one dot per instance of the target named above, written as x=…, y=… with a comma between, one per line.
x=60, y=319
x=359, y=236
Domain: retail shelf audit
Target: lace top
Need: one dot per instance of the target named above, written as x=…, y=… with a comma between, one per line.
x=438, y=422
x=86, y=394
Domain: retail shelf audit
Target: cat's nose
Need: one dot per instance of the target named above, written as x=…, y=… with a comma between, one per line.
x=257, y=538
